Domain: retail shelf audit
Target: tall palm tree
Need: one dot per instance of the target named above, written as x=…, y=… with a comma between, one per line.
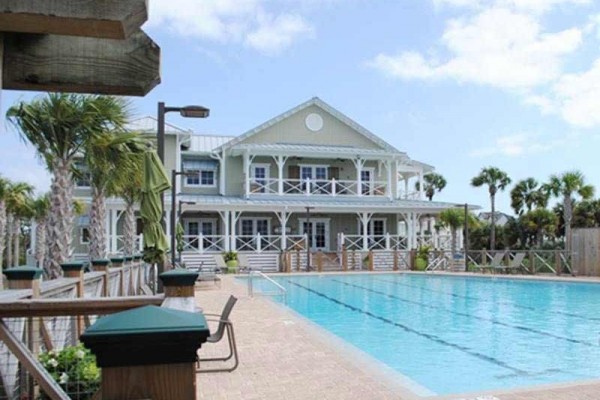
x=108, y=156
x=434, y=183
x=40, y=209
x=567, y=185
x=58, y=126
x=541, y=221
x=526, y=195
x=17, y=207
x=496, y=180
x=4, y=187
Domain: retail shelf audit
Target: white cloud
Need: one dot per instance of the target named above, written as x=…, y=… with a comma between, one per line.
x=578, y=97
x=277, y=33
x=522, y=144
x=250, y=22
x=496, y=47
x=534, y=6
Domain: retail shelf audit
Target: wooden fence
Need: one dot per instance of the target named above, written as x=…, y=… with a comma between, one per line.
x=585, y=246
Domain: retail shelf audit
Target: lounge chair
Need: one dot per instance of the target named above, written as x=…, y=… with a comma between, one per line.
x=243, y=261
x=493, y=265
x=225, y=326
x=208, y=274
x=221, y=265
x=515, y=263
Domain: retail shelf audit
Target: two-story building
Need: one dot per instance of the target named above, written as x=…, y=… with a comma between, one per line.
x=308, y=176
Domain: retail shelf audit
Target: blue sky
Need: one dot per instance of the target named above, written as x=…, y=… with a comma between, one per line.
x=459, y=84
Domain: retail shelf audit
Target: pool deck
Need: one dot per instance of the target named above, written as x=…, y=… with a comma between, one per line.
x=284, y=356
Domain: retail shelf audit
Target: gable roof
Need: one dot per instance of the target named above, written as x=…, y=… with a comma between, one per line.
x=315, y=101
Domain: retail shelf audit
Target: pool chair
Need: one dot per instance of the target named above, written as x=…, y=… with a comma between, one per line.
x=244, y=262
x=209, y=274
x=515, y=264
x=225, y=327
x=493, y=265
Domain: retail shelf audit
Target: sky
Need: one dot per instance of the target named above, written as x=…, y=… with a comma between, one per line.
x=458, y=84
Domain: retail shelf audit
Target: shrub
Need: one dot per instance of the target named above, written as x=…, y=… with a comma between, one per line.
x=230, y=256
x=75, y=370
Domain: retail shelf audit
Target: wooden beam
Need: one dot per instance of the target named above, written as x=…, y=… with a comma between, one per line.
x=84, y=65
x=109, y=19
x=69, y=307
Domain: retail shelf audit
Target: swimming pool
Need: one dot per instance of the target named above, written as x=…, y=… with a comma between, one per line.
x=459, y=334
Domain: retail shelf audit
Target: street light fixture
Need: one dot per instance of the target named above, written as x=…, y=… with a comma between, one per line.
x=187, y=112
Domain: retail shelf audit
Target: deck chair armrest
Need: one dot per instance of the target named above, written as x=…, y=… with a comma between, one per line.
x=219, y=320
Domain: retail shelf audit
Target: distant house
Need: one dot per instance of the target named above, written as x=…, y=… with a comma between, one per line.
x=501, y=218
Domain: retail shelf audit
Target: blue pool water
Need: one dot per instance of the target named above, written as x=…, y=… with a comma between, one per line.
x=459, y=334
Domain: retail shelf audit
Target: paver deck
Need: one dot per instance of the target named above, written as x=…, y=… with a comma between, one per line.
x=284, y=356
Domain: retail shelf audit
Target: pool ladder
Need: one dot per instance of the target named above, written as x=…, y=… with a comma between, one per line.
x=280, y=290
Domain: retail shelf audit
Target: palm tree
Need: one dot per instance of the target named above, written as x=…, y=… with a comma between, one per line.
x=108, y=157
x=566, y=185
x=454, y=219
x=526, y=195
x=41, y=207
x=434, y=183
x=17, y=207
x=58, y=126
x=496, y=180
x=542, y=222
x=4, y=187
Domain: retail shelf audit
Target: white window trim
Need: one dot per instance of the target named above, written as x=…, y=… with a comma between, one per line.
x=314, y=169
x=267, y=168
x=199, y=185
x=327, y=221
x=253, y=219
x=81, y=234
x=370, y=233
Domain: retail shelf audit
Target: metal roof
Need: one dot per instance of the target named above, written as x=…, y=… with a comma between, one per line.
x=207, y=143
x=312, y=149
x=329, y=204
x=149, y=124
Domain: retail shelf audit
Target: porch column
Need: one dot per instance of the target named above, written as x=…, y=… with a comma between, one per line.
x=421, y=188
x=280, y=161
x=405, y=187
x=434, y=234
x=388, y=189
x=247, y=161
x=222, y=170
x=359, y=163
x=283, y=217
x=225, y=217
x=364, y=219
x=113, y=231
x=235, y=216
x=32, y=240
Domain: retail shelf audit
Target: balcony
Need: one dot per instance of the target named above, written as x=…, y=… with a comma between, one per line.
x=317, y=187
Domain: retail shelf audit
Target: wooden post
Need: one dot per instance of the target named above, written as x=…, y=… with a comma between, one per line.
x=371, y=260
x=298, y=259
x=75, y=270
x=119, y=262
x=344, y=259
x=353, y=259
x=179, y=289
x=558, y=262
x=413, y=259
x=483, y=257
x=319, y=261
x=396, y=266
x=102, y=266
x=531, y=255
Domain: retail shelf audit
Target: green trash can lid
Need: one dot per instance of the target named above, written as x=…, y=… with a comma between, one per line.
x=179, y=277
x=24, y=272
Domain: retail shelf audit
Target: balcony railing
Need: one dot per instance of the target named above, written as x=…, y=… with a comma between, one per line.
x=326, y=187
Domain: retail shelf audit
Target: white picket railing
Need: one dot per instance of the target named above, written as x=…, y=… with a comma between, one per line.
x=200, y=243
x=327, y=187
x=373, y=242
x=139, y=243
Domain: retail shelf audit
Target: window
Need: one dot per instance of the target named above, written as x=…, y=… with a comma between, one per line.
x=376, y=229
x=194, y=227
x=200, y=173
x=318, y=175
x=82, y=175
x=249, y=229
x=84, y=235
x=366, y=177
x=260, y=174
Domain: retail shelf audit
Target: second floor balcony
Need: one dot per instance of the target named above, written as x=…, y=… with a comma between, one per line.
x=319, y=187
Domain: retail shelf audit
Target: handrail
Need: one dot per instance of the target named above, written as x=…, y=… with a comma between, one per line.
x=282, y=290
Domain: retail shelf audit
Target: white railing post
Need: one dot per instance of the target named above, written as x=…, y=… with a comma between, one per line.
x=201, y=243
x=333, y=188
x=258, y=242
x=307, y=189
x=387, y=241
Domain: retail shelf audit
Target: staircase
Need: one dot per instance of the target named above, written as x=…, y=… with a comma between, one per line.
x=267, y=261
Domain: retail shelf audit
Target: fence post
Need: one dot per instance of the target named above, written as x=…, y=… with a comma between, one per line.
x=371, y=259
x=74, y=269
x=531, y=256
x=558, y=262
x=483, y=257
x=179, y=289
x=118, y=262
x=101, y=265
x=319, y=261
x=344, y=258
x=353, y=259
x=396, y=267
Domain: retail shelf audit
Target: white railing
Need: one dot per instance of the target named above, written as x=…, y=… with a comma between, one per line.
x=296, y=242
x=310, y=187
x=280, y=290
x=258, y=243
x=411, y=195
x=373, y=242
x=201, y=243
x=440, y=241
x=138, y=239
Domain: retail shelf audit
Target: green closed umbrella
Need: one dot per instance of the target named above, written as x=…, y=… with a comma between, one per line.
x=155, y=182
x=179, y=232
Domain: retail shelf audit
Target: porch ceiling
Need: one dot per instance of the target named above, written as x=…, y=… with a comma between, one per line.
x=317, y=205
x=315, y=151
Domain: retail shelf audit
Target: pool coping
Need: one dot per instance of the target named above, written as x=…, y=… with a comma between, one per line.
x=406, y=386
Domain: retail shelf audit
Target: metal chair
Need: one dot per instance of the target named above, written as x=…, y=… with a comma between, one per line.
x=225, y=326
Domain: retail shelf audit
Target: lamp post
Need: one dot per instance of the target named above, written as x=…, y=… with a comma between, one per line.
x=174, y=216
x=186, y=112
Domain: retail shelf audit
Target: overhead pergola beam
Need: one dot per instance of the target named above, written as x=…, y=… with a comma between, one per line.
x=109, y=19
x=79, y=64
